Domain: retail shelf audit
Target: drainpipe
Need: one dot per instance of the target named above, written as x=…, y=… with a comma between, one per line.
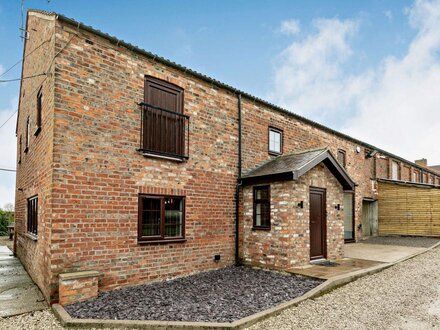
x=237, y=187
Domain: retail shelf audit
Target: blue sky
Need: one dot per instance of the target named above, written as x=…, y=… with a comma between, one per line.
x=352, y=65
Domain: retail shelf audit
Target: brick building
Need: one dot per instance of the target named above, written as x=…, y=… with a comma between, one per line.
x=141, y=169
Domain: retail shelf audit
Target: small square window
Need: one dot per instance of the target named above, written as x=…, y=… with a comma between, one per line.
x=161, y=218
x=275, y=141
x=261, y=207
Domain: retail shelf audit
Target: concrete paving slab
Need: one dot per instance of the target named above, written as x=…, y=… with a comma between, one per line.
x=379, y=252
x=342, y=267
x=18, y=293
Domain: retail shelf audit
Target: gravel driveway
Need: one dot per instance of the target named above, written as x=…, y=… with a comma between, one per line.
x=406, y=296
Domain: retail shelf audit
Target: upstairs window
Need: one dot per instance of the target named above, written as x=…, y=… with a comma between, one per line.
x=164, y=126
x=161, y=218
x=342, y=157
x=32, y=215
x=262, y=207
x=416, y=177
x=275, y=141
x=39, y=110
x=394, y=170
x=27, y=137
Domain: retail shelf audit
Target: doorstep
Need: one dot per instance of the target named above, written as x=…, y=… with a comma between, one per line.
x=340, y=267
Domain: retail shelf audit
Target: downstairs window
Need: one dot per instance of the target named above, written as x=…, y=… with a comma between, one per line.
x=32, y=215
x=161, y=218
x=262, y=207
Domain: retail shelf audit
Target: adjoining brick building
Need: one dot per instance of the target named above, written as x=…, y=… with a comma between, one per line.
x=140, y=169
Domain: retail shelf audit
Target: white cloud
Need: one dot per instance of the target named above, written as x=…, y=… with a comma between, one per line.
x=7, y=153
x=309, y=75
x=395, y=106
x=402, y=112
x=290, y=27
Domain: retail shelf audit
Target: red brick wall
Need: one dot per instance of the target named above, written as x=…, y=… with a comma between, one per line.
x=98, y=173
x=287, y=243
x=406, y=173
x=34, y=173
x=299, y=136
x=87, y=173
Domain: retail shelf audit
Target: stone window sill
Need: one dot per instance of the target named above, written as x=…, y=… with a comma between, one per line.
x=32, y=237
x=37, y=131
x=162, y=241
x=166, y=157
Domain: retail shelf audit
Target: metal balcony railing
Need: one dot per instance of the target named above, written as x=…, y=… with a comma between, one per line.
x=164, y=132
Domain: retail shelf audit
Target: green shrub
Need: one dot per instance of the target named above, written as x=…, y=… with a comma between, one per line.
x=6, y=218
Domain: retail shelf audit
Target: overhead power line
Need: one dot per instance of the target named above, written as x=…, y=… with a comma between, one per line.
x=28, y=54
x=18, y=79
x=7, y=170
x=9, y=118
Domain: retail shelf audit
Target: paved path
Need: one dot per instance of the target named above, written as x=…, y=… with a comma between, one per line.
x=380, y=252
x=18, y=294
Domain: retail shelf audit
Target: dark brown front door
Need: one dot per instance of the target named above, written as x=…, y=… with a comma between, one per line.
x=317, y=223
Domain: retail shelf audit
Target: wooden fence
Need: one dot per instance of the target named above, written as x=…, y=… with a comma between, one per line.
x=409, y=209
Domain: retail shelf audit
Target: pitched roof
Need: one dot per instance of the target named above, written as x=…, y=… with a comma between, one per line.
x=218, y=83
x=293, y=166
x=435, y=168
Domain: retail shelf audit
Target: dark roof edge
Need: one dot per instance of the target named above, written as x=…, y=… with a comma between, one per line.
x=329, y=160
x=223, y=85
x=410, y=183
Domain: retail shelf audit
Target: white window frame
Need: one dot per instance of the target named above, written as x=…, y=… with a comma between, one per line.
x=275, y=147
x=394, y=170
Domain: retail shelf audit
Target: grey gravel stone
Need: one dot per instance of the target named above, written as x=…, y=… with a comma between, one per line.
x=222, y=295
x=41, y=320
x=405, y=296
x=411, y=241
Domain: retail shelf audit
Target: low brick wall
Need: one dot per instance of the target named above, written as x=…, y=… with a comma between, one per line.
x=74, y=287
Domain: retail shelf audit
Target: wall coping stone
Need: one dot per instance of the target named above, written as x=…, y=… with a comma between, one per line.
x=77, y=275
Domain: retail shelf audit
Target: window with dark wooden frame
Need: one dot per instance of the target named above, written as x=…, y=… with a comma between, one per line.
x=161, y=218
x=261, y=201
x=27, y=137
x=342, y=159
x=32, y=215
x=39, y=111
x=275, y=141
x=164, y=124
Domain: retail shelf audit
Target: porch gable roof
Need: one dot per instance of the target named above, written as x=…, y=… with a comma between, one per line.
x=293, y=166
